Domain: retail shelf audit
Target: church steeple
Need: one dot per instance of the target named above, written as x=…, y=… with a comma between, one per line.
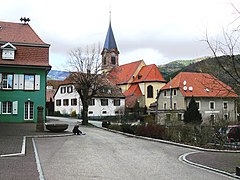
x=110, y=51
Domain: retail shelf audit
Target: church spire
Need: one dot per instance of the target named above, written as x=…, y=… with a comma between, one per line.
x=110, y=51
x=110, y=42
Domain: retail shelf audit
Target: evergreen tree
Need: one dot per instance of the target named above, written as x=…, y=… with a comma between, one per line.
x=192, y=114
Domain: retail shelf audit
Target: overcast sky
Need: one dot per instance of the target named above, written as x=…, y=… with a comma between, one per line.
x=156, y=31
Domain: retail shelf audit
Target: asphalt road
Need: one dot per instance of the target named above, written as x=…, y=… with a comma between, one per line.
x=105, y=155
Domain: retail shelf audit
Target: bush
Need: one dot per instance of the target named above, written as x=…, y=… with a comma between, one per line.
x=151, y=130
x=57, y=113
x=115, y=127
x=149, y=119
x=73, y=114
x=128, y=128
x=106, y=124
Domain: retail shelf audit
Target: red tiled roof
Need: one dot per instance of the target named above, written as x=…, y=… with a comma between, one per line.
x=19, y=33
x=122, y=74
x=133, y=90
x=132, y=94
x=149, y=73
x=200, y=85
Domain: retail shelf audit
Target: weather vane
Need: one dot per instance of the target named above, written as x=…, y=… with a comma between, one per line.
x=25, y=20
x=110, y=11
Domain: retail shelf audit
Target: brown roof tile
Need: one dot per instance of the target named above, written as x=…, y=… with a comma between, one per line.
x=18, y=33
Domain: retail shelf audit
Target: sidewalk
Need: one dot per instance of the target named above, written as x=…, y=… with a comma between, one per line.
x=11, y=136
x=11, y=142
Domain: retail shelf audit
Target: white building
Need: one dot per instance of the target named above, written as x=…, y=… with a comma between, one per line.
x=108, y=102
x=215, y=100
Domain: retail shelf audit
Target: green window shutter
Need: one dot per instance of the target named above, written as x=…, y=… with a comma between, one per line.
x=0, y=107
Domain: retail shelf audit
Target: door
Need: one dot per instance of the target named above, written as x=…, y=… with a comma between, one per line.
x=28, y=110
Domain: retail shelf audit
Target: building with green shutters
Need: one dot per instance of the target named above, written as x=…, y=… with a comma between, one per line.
x=24, y=64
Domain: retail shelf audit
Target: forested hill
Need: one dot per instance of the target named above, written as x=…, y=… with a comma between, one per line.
x=171, y=68
x=211, y=66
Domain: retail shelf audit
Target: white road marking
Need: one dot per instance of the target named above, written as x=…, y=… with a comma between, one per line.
x=39, y=168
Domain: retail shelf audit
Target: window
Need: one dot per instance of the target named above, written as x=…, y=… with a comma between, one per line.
x=65, y=102
x=69, y=89
x=58, y=102
x=28, y=110
x=7, y=81
x=116, y=102
x=211, y=105
x=179, y=117
x=104, y=102
x=174, y=92
x=225, y=116
x=175, y=106
x=91, y=102
x=113, y=60
x=212, y=119
x=168, y=117
x=63, y=90
x=225, y=105
x=74, y=102
x=90, y=112
x=150, y=91
x=7, y=107
x=198, y=104
x=164, y=93
x=8, y=51
x=104, y=112
x=29, y=82
x=165, y=106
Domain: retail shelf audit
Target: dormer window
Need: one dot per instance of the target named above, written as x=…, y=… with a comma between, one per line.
x=8, y=51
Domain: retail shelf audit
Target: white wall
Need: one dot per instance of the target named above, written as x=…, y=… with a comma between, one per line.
x=96, y=110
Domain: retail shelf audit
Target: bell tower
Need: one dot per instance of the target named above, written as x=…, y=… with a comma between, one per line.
x=110, y=51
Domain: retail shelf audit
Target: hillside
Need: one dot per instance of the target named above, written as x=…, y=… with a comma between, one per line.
x=170, y=68
x=57, y=75
x=211, y=66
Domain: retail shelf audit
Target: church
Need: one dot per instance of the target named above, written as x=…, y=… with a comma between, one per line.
x=138, y=82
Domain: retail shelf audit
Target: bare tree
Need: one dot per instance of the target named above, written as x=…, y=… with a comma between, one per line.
x=85, y=69
x=228, y=48
x=231, y=63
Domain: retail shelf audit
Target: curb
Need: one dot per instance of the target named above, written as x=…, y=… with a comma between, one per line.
x=184, y=159
x=170, y=142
